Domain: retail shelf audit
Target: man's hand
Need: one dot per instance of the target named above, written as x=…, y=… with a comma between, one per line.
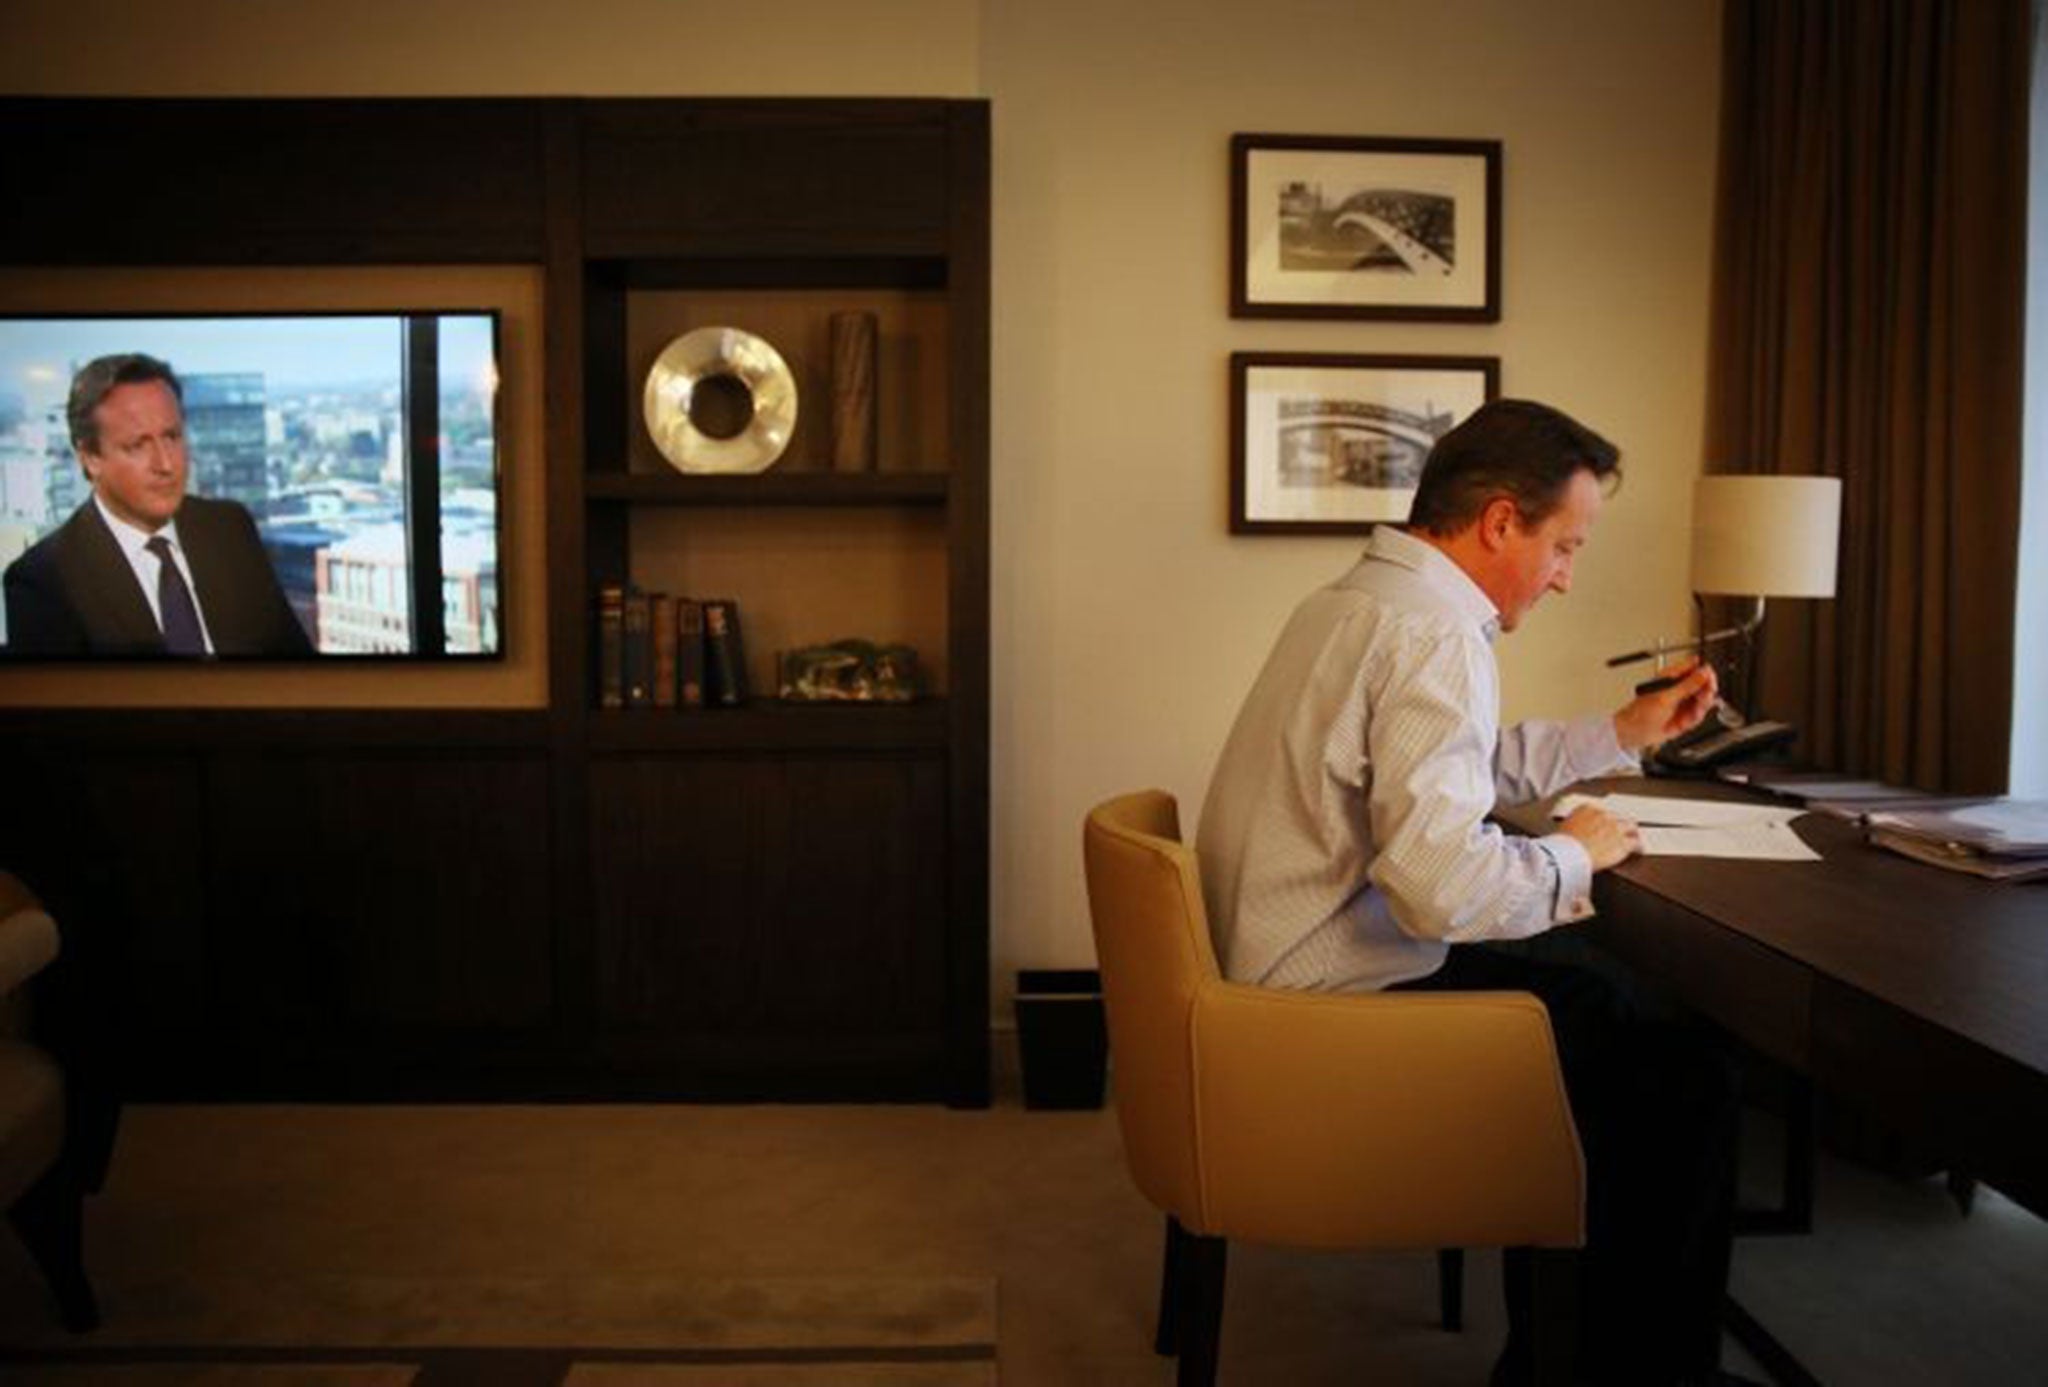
x=1660, y=716
x=1607, y=838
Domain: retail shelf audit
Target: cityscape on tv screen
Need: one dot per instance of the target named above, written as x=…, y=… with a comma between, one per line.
x=303, y=421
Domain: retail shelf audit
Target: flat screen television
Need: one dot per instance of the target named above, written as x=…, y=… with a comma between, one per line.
x=358, y=450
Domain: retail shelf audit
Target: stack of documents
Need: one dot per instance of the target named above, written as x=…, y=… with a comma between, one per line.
x=1842, y=796
x=2003, y=839
x=1704, y=828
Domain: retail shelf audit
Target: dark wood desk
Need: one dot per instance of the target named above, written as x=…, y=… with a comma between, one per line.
x=1919, y=994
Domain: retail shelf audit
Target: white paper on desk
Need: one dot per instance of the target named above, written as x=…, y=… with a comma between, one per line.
x=1682, y=813
x=1764, y=842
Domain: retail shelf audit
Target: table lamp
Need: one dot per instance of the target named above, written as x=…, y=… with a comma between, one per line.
x=1757, y=537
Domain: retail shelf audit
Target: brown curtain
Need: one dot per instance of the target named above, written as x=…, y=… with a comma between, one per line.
x=1868, y=324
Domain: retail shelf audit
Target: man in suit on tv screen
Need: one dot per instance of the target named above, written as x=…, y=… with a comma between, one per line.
x=141, y=568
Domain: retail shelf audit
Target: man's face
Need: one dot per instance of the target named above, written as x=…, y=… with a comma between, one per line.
x=138, y=466
x=1538, y=559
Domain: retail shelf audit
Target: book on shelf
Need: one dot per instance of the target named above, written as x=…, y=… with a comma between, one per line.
x=725, y=660
x=611, y=646
x=689, y=653
x=2004, y=839
x=639, y=662
x=661, y=616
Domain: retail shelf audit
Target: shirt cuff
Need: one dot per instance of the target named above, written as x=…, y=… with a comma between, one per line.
x=1574, y=898
x=1595, y=750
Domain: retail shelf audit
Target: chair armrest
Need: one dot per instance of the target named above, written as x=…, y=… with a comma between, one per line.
x=28, y=936
x=1384, y=1119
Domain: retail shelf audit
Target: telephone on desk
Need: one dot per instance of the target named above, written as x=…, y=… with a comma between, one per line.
x=1722, y=736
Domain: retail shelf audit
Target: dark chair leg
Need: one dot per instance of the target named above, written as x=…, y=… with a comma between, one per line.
x=1554, y=1318
x=49, y=1217
x=1200, y=1316
x=1450, y=1287
x=1166, y=1339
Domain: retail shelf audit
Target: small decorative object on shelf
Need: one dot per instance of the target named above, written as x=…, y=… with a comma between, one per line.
x=849, y=671
x=853, y=392
x=720, y=400
x=725, y=659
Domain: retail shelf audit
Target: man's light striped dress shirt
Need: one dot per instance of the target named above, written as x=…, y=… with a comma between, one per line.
x=1344, y=842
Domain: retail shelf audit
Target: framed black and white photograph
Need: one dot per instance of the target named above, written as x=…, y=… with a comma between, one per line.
x=1326, y=226
x=1331, y=444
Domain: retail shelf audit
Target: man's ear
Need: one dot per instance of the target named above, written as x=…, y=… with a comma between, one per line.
x=85, y=462
x=1497, y=521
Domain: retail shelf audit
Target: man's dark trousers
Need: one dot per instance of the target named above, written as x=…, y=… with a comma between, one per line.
x=1655, y=1106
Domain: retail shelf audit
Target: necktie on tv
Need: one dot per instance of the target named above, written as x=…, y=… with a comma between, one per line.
x=182, y=635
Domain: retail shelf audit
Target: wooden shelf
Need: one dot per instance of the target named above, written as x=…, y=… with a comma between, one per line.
x=769, y=725
x=770, y=489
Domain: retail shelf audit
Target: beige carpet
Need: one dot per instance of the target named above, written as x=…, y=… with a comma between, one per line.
x=1894, y=1287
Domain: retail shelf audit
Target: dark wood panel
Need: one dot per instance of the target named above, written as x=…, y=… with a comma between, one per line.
x=770, y=725
x=799, y=896
x=764, y=178
x=109, y=841
x=710, y=1066
x=1759, y=996
x=230, y=181
x=968, y=636
x=195, y=731
x=148, y=808
x=1985, y=1111
x=351, y=895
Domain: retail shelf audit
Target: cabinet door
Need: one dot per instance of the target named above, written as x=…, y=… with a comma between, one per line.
x=799, y=898
x=358, y=897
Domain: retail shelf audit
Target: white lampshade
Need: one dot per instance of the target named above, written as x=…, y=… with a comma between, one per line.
x=1765, y=536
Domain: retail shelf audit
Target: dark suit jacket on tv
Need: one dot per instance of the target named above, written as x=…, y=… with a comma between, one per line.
x=74, y=592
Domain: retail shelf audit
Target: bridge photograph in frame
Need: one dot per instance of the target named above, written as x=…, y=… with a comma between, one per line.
x=1327, y=443
x=1328, y=226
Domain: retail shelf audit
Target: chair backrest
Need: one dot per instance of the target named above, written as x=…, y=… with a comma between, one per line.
x=1152, y=942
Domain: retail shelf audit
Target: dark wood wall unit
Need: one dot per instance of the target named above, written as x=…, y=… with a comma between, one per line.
x=766, y=902
x=754, y=179
x=242, y=181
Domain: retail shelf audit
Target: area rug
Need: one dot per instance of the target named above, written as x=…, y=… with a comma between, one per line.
x=521, y=1332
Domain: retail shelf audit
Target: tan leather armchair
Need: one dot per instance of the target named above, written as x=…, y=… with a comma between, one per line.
x=38, y=1185
x=1379, y=1120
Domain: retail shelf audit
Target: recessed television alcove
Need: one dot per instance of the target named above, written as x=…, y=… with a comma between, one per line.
x=181, y=304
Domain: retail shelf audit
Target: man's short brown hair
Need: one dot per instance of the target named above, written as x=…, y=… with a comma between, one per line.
x=1515, y=448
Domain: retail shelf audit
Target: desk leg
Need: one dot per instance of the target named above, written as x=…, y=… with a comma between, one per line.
x=1802, y=1134
x=1763, y=1346
x=1793, y=1215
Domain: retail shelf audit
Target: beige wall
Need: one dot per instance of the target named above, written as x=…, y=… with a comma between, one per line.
x=1127, y=623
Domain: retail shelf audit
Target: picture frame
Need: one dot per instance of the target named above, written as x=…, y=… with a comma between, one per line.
x=1332, y=443
x=1328, y=226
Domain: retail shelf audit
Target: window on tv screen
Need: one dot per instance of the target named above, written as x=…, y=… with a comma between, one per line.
x=250, y=486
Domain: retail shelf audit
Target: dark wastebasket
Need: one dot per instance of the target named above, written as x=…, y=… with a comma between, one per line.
x=1062, y=1037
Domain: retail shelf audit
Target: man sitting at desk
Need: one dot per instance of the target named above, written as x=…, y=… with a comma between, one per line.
x=141, y=568
x=1345, y=846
